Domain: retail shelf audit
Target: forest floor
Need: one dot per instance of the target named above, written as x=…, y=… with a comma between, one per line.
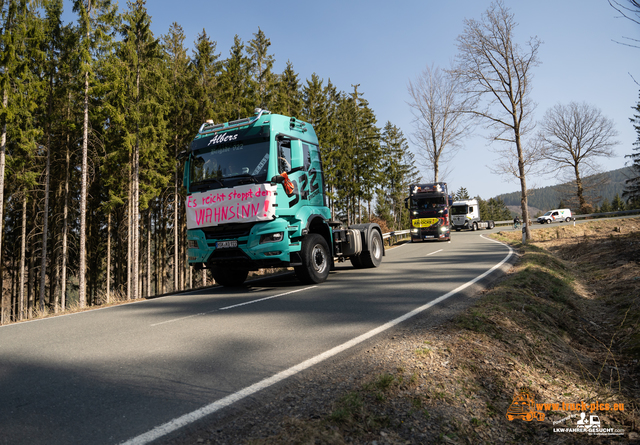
x=562, y=326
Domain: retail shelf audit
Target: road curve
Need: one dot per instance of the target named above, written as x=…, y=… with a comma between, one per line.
x=134, y=372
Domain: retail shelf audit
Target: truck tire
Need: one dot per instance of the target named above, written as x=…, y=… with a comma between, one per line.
x=474, y=227
x=356, y=262
x=316, y=261
x=373, y=256
x=229, y=277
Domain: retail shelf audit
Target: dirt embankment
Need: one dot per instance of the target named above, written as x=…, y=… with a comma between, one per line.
x=556, y=337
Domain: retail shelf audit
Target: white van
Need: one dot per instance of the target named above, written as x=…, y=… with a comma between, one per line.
x=557, y=215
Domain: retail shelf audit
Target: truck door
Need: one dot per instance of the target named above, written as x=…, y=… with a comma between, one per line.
x=313, y=167
x=291, y=162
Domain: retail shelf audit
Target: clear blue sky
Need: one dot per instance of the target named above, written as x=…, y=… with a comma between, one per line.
x=381, y=45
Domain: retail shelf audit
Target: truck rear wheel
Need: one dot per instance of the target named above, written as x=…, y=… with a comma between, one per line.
x=229, y=277
x=373, y=256
x=316, y=262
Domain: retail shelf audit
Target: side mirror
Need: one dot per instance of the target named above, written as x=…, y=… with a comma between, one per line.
x=182, y=155
x=406, y=203
x=277, y=179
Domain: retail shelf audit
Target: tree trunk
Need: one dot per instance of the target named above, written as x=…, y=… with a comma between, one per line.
x=130, y=233
x=108, y=257
x=65, y=230
x=23, y=255
x=5, y=301
x=149, y=251
x=580, y=191
x=82, y=291
x=31, y=267
x=45, y=225
x=163, y=244
x=176, y=232
x=523, y=188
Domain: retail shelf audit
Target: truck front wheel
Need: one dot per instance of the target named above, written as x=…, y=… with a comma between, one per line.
x=229, y=277
x=316, y=262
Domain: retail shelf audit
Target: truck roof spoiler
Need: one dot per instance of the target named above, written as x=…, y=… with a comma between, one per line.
x=209, y=127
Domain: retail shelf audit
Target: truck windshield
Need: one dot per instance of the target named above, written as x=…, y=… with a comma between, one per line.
x=245, y=161
x=428, y=203
x=459, y=210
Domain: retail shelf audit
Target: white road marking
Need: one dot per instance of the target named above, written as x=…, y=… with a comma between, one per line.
x=265, y=298
x=434, y=252
x=234, y=306
x=196, y=415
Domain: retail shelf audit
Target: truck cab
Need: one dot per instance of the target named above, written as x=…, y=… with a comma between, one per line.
x=465, y=214
x=256, y=199
x=428, y=206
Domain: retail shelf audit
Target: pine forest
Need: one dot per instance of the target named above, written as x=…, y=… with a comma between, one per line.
x=93, y=115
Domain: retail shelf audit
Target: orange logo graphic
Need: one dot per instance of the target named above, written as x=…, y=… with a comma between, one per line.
x=524, y=407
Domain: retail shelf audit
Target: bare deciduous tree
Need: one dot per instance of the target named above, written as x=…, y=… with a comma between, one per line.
x=630, y=9
x=439, y=123
x=497, y=72
x=574, y=137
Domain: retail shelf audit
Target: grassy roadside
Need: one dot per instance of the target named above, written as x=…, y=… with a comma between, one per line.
x=563, y=325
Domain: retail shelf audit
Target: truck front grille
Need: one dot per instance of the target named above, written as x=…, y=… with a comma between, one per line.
x=228, y=231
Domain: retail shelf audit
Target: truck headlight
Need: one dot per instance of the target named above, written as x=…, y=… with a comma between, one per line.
x=272, y=237
x=414, y=230
x=192, y=244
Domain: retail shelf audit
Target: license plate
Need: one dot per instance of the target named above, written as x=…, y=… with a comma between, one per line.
x=428, y=236
x=226, y=244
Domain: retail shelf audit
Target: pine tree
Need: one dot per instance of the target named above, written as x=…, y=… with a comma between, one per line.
x=483, y=208
x=261, y=66
x=288, y=100
x=461, y=194
x=16, y=112
x=52, y=45
x=180, y=127
x=397, y=171
x=95, y=17
x=314, y=106
x=144, y=130
x=617, y=204
x=205, y=72
x=237, y=88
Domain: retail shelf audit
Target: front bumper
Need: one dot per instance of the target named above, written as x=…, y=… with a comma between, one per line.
x=249, y=252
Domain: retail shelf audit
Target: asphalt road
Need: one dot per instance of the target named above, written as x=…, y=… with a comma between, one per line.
x=128, y=372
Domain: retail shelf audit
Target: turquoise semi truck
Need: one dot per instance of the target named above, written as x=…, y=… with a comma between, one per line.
x=256, y=198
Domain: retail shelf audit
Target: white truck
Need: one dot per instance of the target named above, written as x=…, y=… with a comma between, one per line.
x=557, y=215
x=465, y=214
